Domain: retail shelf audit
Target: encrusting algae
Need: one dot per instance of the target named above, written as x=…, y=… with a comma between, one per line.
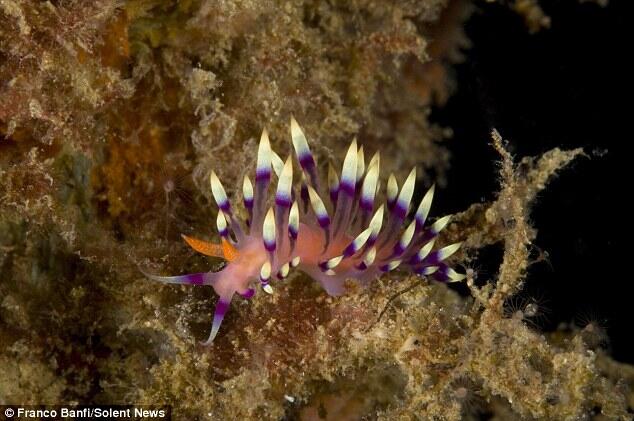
x=105, y=105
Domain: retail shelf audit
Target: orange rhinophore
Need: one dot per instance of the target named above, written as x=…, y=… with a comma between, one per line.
x=225, y=250
x=229, y=251
x=203, y=247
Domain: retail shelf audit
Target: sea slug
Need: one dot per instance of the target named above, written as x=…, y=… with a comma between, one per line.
x=342, y=238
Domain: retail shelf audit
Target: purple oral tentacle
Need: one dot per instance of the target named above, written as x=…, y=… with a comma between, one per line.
x=202, y=278
x=224, y=302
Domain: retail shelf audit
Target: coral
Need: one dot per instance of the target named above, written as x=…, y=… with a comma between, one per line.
x=105, y=105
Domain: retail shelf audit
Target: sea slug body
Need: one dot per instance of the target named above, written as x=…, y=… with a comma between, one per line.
x=351, y=241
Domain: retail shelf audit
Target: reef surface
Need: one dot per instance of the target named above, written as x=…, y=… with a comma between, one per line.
x=112, y=115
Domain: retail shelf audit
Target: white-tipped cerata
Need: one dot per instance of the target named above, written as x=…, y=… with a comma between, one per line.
x=263, y=166
x=349, y=170
x=360, y=164
x=376, y=222
x=285, y=184
x=368, y=189
x=447, y=251
x=357, y=243
x=296, y=261
x=265, y=272
x=333, y=179
x=428, y=270
x=440, y=224
x=284, y=270
x=247, y=192
x=333, y=263
x=404, y=199
x=425, y=205
x=293, y=221
x=376, y=159
x=268, y=230
x=276, y=163
x=221, y=224
x=300, y=145
x=218, y=192
x=391, y=266
x=392, y=189
x=318, y=207
x=424, y=251
x=455, y=276
x=370, y=256
x=405, y=239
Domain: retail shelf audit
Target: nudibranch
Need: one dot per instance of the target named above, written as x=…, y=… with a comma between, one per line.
x=332, y=241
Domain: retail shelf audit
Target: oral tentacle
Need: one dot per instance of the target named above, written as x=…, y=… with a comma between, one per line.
x=222, y=306
x=202, y=278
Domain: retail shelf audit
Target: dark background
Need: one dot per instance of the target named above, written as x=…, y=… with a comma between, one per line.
x=560, y=87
